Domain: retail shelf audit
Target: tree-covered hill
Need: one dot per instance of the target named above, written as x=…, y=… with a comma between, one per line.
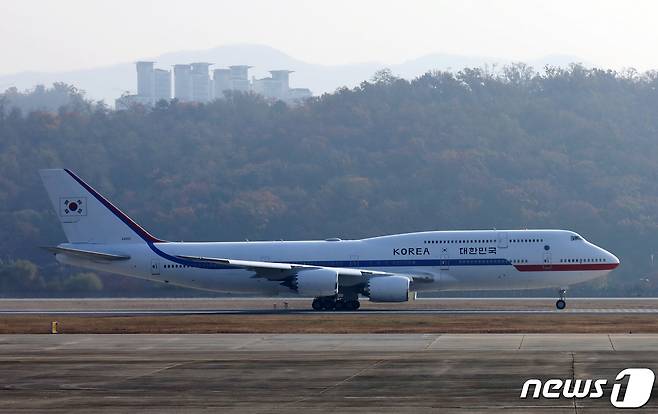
x=568, y=148
x=41, y=98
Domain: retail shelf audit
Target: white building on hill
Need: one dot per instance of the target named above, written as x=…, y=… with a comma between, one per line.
x=192, y=83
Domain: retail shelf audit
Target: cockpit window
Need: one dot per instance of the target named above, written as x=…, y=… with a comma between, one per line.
x=574, y=238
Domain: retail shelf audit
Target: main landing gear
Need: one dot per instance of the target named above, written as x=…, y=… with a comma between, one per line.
x=561, y=303
x=333, y=303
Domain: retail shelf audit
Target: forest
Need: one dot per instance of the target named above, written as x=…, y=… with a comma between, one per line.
x=481, y=148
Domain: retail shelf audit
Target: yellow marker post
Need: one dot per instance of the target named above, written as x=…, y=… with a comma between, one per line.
x=53, y=327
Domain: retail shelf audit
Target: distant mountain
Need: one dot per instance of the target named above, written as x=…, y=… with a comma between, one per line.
x=109, y=82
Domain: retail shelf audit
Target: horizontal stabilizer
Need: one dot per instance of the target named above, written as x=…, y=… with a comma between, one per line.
x=86, y=254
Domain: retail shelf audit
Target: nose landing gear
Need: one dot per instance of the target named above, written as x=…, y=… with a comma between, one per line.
x=561, y=303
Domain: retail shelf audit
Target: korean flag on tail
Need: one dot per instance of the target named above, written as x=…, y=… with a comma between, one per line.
x=73, y=206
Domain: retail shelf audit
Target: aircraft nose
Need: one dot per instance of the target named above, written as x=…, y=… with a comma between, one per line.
x=612, y=259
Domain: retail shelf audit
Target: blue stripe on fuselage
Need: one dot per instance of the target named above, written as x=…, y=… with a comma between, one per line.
x=348, y=263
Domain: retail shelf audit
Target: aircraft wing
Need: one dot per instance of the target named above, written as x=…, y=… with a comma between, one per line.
x=86, y=254
x=281, y=271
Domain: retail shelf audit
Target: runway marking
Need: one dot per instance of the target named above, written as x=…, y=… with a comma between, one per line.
x=248, y=343
x=380, y=397
x=611, y=344
x=371, y=366
x=432, y=343
x=65, y=344
x=76, y=387
x=178, y=364
x=339, y=383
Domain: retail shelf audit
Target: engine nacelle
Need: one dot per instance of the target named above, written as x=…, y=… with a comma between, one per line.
x=389, y=289
x=317, y=282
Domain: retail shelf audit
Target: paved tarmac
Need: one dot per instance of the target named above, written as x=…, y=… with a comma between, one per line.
x=301, y=306
x=279, y=311
x=309, y=373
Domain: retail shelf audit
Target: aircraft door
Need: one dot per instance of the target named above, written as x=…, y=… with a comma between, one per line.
x=155, y=267
x=503, y=240
x=444, y=262
x=547, y=261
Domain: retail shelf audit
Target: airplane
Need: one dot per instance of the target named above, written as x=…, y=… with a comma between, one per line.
x=335, y=272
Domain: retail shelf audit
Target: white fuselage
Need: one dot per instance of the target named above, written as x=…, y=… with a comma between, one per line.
x=437, y=260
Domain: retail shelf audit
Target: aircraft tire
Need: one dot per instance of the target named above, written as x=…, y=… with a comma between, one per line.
x=317, y=305
x=327, y=304
x=560, y=304
x=352, y=305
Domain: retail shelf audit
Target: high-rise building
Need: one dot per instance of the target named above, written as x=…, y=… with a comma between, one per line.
x=274, y=87
x=282, y=76
x=267, y=87
x=150, y=84
x=201, y=88
x=278, y=87
x=240, y=78
x=145, y=79
x=162, y=88
x=221, y=79
x=183, y=83
x=192, y=83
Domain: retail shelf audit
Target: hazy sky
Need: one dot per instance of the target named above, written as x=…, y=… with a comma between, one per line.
x=49, y=35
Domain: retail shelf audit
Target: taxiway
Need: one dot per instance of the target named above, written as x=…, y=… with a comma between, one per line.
x=308, y=373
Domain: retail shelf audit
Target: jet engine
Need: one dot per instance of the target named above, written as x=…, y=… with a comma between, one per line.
x=389, y=289
x=317, y=282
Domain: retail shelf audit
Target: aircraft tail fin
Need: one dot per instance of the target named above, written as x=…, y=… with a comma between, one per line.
x=86, y=216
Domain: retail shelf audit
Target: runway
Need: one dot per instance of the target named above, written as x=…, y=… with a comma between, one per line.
x=309, y=373
x=300, y=307
x=169, y=312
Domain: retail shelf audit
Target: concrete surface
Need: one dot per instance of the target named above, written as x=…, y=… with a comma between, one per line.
x=301, y=306
x=18, y=345
x=438, y=312
x=309, y=373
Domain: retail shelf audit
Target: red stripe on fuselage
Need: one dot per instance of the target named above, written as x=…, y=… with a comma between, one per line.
x=570, y=267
